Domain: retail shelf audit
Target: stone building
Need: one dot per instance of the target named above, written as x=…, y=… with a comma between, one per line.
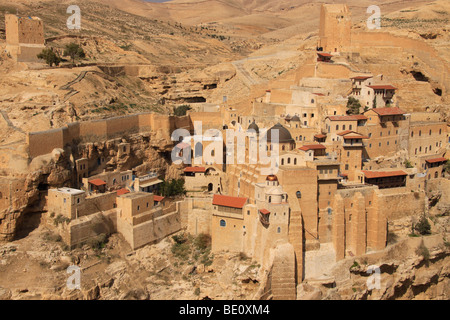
x=372, y=92
x=140, y=217
x=335, y=28
x=24, y=37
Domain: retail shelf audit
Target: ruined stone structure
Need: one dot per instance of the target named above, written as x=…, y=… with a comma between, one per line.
x=24, y=37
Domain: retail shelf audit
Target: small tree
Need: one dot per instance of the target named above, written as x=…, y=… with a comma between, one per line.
x=74, y=51
x=374, y=102
x=353, y=106
x=408, y=164
x=50, y=57
x=423, y=226
x=181, y=110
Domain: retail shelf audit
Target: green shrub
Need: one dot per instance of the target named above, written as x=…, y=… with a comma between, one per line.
x=423, y=226
x=181, y=110
x=202, y=242
x=50, y=57
x=353, y=106
x=60, y=219
x=98, y=242
x=408, y=164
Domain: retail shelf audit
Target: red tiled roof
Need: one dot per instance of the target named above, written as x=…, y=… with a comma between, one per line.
x=389, y=111
x=323, y=54
x=319, y=94
x=345, y=132
x=97, y=182
x=383, y=87
x=320, y=136
x=264, y=211
x=436, y=160
x=312, y=147
x=195, y=169
x=361, y=77
x=383, y=174
x=158, y=198
x=356, y=137
x=122, y=192
x=227, y=201
x=349, y=134
x=348, y=118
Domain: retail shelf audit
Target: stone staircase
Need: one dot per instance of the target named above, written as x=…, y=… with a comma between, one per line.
x=283, y=273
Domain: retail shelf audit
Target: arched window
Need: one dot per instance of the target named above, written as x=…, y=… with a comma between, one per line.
x=295, y=161
x=223, y=223
x=279, y=230
x=436, y=174
x=299, y=194
x=270, y=199
x=282, y=162
x=199, y=149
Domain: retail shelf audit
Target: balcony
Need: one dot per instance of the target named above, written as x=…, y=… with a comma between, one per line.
x=354, y=144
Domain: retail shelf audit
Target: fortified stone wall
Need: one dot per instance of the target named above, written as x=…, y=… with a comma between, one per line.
x=400, y=202
x=198, y=213
x=40, y=143
x=81, y=230
x=437, y=70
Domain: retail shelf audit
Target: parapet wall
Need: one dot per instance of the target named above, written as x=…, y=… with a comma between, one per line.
x=40, y=143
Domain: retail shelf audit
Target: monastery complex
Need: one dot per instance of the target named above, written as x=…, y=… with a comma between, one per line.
x=337, y=181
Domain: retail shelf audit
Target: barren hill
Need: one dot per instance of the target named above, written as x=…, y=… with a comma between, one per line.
x=150, y=56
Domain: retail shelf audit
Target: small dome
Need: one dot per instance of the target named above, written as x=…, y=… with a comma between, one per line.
x=295, y=118
x=284, y=136
x=272, y=177
x=253, y=126
x=288, y=117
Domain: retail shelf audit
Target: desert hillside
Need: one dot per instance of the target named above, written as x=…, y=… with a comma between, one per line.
x=143, y=56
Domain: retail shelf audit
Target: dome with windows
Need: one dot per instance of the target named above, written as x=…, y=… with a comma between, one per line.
x=284, y=136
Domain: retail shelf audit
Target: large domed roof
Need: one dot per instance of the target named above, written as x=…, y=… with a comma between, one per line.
x=253, y=126
x=284, y=136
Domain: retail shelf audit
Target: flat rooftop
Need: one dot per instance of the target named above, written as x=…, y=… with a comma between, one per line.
x=136, y=195
x=70, y=191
